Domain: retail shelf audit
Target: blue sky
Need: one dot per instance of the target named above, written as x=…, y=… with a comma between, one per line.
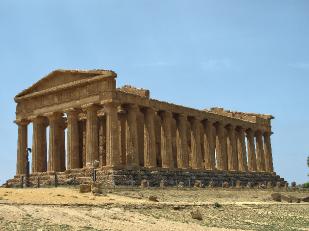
x=250, y=56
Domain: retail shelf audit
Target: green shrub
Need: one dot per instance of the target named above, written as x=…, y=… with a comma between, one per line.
x=306, y=185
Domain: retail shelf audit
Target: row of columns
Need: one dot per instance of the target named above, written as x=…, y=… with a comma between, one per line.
x=213, y=145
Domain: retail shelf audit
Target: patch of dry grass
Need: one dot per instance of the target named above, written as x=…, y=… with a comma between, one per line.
x=220, y=209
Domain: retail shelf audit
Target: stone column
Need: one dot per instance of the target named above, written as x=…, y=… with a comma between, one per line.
x=140, y=136
x=208, y=142
x=260, y=160
x=131, y=137
x=182, y=142
x=39, y=148
x=150, y=159
x=22, y=145
x=92, y=134
x=113, y=158
x=73, y=160
x=241, y=150
x=268, y=153
x=82, y=141
x=251, y=151
x=55, y=141
x=196, y=144
x=166, y=140
x=221, y=148
x=63, y=126
x=232, y=149
x=102, y=140
x=122, y=120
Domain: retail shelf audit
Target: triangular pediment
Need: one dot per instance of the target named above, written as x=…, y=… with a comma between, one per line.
x=61, y=77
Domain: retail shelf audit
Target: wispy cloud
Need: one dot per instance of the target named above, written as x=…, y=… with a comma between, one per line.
x=216, y=64
x=300, y=65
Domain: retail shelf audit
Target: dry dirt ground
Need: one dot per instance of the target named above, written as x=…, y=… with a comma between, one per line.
x=130, y=209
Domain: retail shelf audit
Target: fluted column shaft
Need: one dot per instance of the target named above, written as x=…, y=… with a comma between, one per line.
x=113, y=158
x=39, y=148
x=196, y=145
x=122, y=120
x=166, y=140
x=260, y=160
x=150, y=159
x=22, y=145
x=131, y=137
x=92, y=134
x=268, y=153
x=241, y=150
x=182, y=142
x=102, y=141
x=251, y=151
x=221, y=147
x=208, y=141
x=62, y=145
x=55, y=142
x=232, y=149
x=73, y=140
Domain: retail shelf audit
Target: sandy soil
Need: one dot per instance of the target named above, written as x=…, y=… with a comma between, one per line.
x=130, y=209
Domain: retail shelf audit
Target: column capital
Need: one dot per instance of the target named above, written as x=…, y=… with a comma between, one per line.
x=90, y=107
x=166, y=114
x=133, y=106
x=209, y=121
x=72, y=111
x=182, y=115
x=193, y=119
x=240, y=129
x=258, y=132
x=250, y=132
x=22, y=122
x=121, y=109
x=220, y=124
x=149, y=109
x=267, y=133
x=39, y=119
x=230, y=126
x=110, y=105
x=53, y=116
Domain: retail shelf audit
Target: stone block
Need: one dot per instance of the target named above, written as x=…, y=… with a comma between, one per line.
x=181, y=184
x=96, y=164
x=276, y=197
x=198, y=184
x=84, y=188
x=153, y=198
x=196, y=214
x=211, y=184
x=250, y=184
x=305, y=199
x=269, y=185
x=238, y=184
x=262, y=186
x=225, y=184
x=162, y=184
x=144, y=183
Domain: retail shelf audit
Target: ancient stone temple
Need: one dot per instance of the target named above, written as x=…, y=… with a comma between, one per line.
x=83, y=124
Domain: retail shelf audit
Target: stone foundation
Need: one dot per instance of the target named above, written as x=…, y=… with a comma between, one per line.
x=133, y=177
